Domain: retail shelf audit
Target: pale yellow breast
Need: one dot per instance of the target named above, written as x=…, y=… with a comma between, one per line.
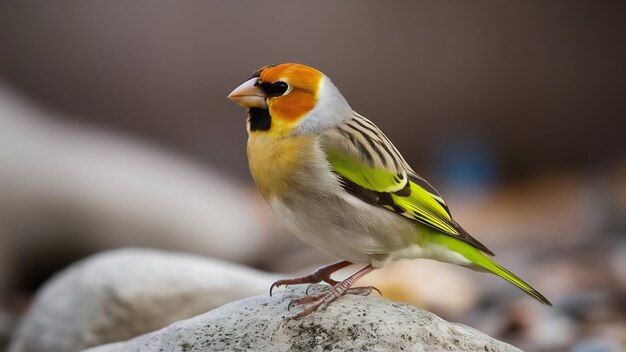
x=274, y=161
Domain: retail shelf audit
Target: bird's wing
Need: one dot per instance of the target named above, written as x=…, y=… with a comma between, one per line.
x=372, y=169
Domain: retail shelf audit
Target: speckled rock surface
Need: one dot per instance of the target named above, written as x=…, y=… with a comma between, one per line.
x=352, y=323
x=117, y=295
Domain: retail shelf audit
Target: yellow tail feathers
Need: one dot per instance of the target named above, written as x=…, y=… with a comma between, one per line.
x=499, y=270
x=483, y=262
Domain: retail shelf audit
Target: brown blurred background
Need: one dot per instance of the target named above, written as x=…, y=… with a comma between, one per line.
x=515, y=110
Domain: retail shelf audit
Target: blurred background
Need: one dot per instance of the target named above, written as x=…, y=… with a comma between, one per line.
x=115, y=131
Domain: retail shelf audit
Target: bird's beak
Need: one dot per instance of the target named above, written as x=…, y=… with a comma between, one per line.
x=249, y=95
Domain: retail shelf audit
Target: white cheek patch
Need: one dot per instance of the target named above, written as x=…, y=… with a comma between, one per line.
x=330, y=110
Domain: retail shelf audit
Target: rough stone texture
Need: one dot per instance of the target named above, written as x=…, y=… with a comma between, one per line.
x=352, y=323
x=121, y=294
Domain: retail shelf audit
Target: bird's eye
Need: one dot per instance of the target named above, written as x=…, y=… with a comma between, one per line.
x=280, y=87
x=273, y=89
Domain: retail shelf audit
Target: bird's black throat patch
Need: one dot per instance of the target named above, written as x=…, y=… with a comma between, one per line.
x=259, y=119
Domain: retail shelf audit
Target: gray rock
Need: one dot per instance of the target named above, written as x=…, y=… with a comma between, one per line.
x=352, y=323
x=121, y=294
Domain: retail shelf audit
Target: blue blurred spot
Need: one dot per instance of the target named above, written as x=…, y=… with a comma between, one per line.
x=467, y=164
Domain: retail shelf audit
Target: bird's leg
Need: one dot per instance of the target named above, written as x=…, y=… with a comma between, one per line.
x=321, y=274
x=338, y=290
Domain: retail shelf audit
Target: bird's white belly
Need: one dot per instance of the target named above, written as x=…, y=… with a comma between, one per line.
x=368, y=234
x=346, y=227
x=321, y=234
x=430, y=251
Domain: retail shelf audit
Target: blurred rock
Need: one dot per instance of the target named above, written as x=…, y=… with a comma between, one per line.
x=617, y=263
x=92, y=190
x=598, y=345
x=7, y=321
x=352, y=323
x=581, y=305
x=117, y=295
x=543, y=328
x=444, y=288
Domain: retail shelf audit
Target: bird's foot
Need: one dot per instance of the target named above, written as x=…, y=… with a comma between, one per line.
x=357, y=291
x=313, y=302
x=321, y=274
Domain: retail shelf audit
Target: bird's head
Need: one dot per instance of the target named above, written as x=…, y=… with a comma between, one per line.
x=290, y=99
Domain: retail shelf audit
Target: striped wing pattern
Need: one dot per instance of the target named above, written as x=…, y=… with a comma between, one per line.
x=373, y=170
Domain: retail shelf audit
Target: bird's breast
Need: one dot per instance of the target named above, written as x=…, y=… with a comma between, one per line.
x=277, y=163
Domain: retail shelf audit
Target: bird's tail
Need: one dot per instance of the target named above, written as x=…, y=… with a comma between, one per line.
x=499, y=270
x=484, y=262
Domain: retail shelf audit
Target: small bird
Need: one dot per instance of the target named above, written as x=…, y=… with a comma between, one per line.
x=336, y=181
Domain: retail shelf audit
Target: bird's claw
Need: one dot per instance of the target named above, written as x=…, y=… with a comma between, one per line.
x=285, y=282
x=315, y=302
x=310, y=280
x=275, y=285
x=306, y=292
x=304, y=300
x=321, y=274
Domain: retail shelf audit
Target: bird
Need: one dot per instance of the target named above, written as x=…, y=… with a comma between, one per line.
x=335, y=181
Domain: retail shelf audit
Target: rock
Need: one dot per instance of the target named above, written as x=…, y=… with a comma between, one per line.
x=121, y=294
x=352, y=323
x=543, y=329
x=617, y=262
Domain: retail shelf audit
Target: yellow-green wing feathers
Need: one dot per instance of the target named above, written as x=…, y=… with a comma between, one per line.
x=421, y=205
x=377, y=179
x=408, y=198
x=373, y=170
